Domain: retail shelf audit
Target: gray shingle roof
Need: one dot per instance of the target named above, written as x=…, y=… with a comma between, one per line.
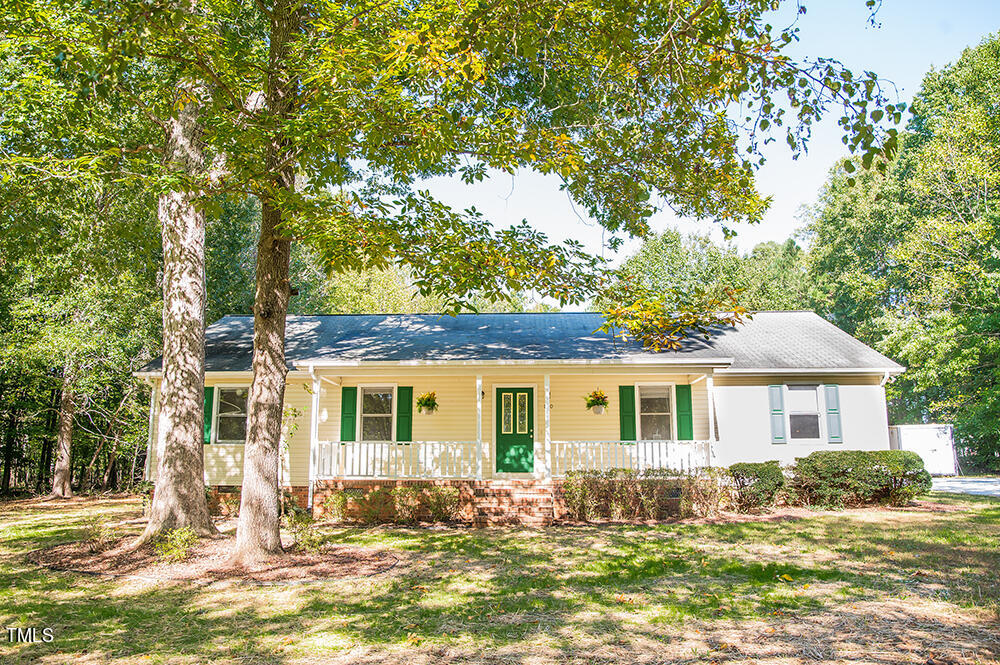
x=771, y=340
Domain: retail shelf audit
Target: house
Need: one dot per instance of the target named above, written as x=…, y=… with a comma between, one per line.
x=511, y=389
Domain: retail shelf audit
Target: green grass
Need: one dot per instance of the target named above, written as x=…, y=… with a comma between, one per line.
x=562, y=591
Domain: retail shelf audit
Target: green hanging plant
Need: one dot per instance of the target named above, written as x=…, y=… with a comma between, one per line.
x=427, y=402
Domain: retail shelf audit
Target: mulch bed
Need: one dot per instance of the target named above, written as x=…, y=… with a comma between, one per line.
x=207, y=562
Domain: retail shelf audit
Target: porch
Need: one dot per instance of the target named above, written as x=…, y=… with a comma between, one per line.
x=523, y=427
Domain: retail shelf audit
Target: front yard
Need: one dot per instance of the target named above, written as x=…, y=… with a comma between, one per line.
x=914, y=585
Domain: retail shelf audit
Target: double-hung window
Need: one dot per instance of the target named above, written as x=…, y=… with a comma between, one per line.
x=231, y=424
x=655, y=412
x=376, y=414
x=803, y=411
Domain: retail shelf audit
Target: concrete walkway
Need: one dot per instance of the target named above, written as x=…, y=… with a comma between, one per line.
x=981, y=486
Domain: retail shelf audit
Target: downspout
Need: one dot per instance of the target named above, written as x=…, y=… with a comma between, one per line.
x=885, y=379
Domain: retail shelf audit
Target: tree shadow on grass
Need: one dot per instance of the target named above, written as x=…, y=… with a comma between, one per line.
x=581, y=594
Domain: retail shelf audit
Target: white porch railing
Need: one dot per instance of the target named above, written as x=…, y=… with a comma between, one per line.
x=387, y=459
x=636, y=455
x=463, y=459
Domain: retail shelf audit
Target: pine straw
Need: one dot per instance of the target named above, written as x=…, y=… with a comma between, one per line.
x=207, y=562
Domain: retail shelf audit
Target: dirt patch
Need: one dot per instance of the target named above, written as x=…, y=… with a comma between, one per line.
x=207, y=562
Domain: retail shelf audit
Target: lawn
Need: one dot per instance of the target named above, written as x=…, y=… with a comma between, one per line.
x=916, y=585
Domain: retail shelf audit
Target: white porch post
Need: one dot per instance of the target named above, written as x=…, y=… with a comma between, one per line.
x=710, y=392
x=154, y=395
x=313, y=431
x=479, y=427
x=547, y=452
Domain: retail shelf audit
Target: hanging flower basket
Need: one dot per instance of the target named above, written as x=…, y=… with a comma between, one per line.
x=597, y=401
x=427, y=403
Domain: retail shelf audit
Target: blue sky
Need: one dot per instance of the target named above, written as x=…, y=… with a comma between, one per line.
x=913, y=36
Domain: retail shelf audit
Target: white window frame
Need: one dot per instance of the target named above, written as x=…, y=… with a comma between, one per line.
x=672, y=388
x=216, y=391
x=360, y=401
x=820, y=414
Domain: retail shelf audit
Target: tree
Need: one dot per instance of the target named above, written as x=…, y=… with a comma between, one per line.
x=770, y=276
x=907, y=256
x=627, y=103
x=179, y=498
x=330, y=115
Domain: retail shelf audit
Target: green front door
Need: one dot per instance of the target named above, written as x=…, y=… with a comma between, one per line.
x=515, y=430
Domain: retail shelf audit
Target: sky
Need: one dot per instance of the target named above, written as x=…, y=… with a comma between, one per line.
x=911, y=37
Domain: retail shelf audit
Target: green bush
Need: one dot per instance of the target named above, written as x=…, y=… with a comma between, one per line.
x=335, y=505
x=377, y=506
x=442, y=503
x=705, y=492
x=303, y=530
x=620, y=494
x=838, y=478
x=98, y=534
x=175, y=544
x=408, y=500
x=756, y=484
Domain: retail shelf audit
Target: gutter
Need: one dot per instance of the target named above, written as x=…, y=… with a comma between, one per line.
x=309, y=365
x=813, y=370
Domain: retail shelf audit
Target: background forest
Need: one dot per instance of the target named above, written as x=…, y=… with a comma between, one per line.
x=905, y=258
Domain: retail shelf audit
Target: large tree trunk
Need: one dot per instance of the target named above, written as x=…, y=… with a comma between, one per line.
x=179, y=495
x=257, y=533
x=62, y=476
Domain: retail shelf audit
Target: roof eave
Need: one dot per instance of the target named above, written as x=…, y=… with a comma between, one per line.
x=813, y=370
x=673, y=362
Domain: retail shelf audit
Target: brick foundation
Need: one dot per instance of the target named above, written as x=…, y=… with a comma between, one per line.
x=224, y=500
x=481, y=502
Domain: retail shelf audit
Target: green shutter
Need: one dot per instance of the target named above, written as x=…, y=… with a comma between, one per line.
x=348, y=412
x=209, y=404
x=404, y=413
x=776, y=401
x=685, y=417
x=626, y=412
x=834, y=434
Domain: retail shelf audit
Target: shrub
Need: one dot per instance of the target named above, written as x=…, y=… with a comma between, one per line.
x=838, y=478
x=620, y=494
x=303, y=530
x=98, y=534
x=756, y=484
x=377, y=506
x=335, y=505
x=175, y=544
x=407, y=500
x=705, y=492
x=289, y=506
x=442, y=503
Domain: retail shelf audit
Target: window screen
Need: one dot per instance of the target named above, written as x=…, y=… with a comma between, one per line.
x=803, y=412
x=655, y=422
x=232, y=422
x=376, y=414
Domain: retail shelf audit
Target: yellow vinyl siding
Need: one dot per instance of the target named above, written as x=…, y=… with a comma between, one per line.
x=571, y=421
x=224, y=462
x=455, y=419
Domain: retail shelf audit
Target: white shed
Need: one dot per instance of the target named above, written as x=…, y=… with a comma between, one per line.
x=934, y=444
